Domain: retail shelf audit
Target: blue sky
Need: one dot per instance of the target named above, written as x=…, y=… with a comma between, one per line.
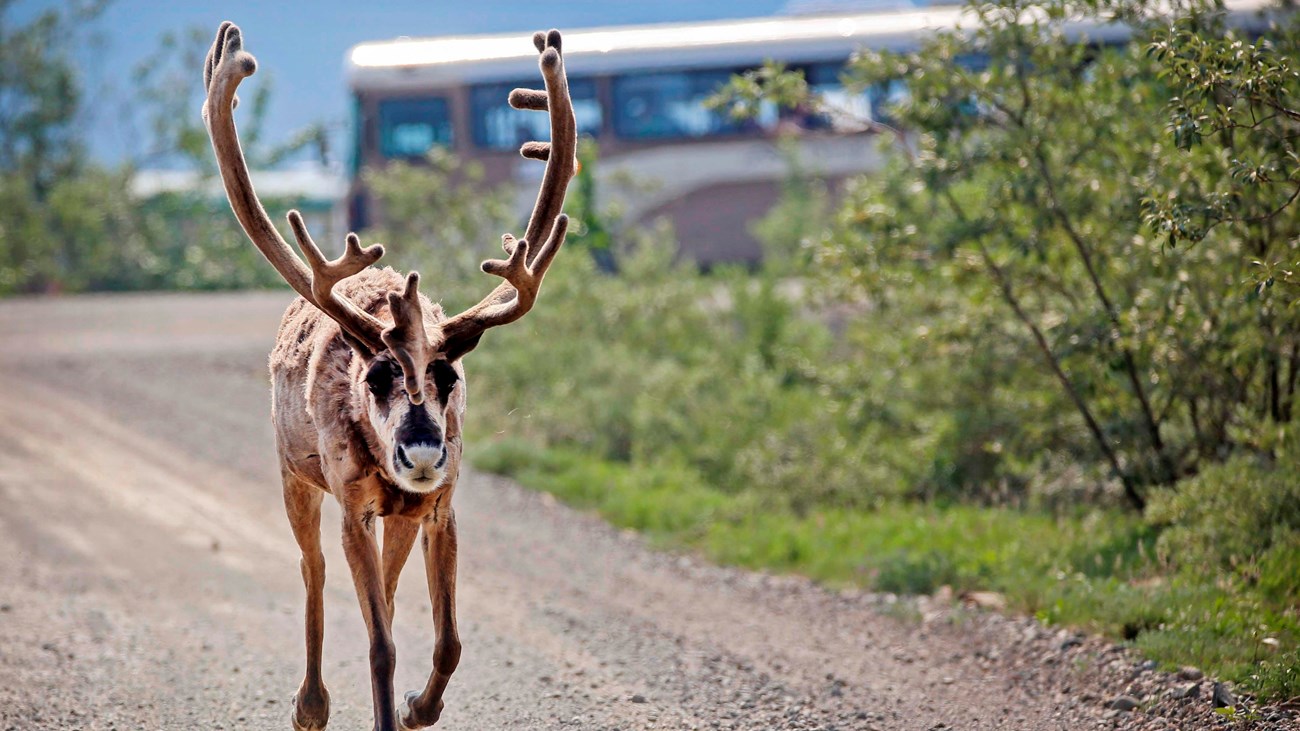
x=302, y=45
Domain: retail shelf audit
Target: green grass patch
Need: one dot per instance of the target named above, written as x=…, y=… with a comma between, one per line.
x=1099, y=570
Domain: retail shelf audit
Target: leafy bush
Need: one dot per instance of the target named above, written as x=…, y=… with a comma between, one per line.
x=89, y=234
x=662, y=365
x=1242, y=515
x=985, y=323
x=914, y=572
x=1027, y=158
x=1278, y=676
x=439, y=217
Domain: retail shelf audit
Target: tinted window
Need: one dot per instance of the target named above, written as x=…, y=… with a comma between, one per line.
x=666, y=105
x=973, y=61
x=499, y=126
x=409, y=127
x=846, y=105
x=886, y=95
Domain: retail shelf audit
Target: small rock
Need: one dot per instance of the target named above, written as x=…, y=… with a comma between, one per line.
x=1071, y=642
x=6, y=607
x=1190, y=673
x=985, y=600
x=1148, y=666
x=1222, y=697
x=1182, y=692
x=638, y=698
x=1124, y=703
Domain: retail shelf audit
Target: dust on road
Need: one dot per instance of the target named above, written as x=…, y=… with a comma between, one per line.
x=148, y=579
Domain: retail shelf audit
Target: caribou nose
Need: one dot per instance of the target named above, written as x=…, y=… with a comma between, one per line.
x=403, y=459
x=422, y=456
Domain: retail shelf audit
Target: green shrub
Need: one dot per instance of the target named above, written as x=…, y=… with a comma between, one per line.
x=661, y=365
x=910, y=572
x=1242, y=515
x=1278, y=676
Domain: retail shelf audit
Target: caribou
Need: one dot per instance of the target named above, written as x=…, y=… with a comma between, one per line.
x=368, y=389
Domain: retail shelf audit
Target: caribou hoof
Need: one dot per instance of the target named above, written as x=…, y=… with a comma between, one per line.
x=310, y=712
x=409, y=720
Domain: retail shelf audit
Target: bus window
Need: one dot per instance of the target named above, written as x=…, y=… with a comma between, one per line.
x=499, y=126
x=845, y=110
x=886, y=95
x=973, y=61
x=410, y=127
x=667, y=105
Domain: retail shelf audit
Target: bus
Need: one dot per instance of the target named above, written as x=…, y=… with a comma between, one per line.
x=639, y=91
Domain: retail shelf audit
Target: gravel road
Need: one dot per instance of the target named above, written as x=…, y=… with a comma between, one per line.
x=148, y=579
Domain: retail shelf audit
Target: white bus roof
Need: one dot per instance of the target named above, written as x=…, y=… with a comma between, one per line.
x=407, y=63
x=424, y=63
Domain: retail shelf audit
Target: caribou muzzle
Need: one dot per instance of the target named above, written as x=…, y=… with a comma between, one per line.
x=419, y=453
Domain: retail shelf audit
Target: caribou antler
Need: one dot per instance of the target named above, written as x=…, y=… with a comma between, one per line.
x=527, y=263
x=226, y=66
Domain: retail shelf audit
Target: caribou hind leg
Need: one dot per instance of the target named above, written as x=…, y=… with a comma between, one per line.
x=302, y=501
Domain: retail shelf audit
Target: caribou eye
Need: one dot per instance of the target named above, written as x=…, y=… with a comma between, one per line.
x=444, y=378
x=379, y=379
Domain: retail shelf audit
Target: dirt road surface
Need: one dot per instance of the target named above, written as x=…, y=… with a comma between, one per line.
x=148, y=579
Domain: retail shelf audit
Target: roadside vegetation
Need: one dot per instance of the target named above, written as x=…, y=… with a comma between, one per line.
x=71, y=224
x=711, y=415
x=1051, y=351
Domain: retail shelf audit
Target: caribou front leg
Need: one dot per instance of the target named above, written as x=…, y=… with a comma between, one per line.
x=423, y=709
x=362, y=552
x=399, y=537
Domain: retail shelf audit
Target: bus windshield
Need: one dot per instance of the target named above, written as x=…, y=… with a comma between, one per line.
x=410, y=127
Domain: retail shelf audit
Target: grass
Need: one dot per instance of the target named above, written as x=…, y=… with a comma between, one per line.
x=1097, y=570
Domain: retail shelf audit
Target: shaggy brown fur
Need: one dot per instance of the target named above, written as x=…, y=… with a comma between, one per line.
x=342, y=423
